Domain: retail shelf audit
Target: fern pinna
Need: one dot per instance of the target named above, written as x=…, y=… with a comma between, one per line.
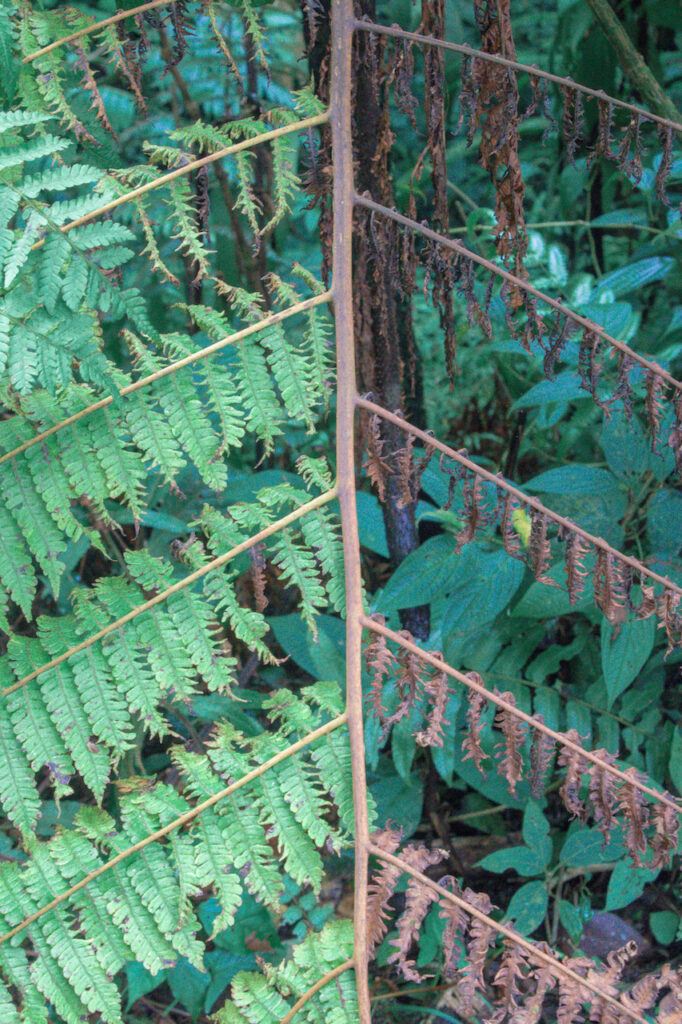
x=104, y=411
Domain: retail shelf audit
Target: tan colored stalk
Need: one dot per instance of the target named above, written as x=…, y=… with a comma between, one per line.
x=216, y=563
x=535, y=723
x=342, y=287
x=166, y=371
x=314, y=989
x=498, y=481
x=182, y=819
x=193, y=165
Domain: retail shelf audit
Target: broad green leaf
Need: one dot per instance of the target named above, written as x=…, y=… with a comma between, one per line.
x=624, y=652
x=541, y=601
x=664, y=516
x=628, y=279
x=481, y=587
x=573, y=479
x=528, y=906
x=322, y=658
x=423, y=575
x=564, y=388
x=625, y=445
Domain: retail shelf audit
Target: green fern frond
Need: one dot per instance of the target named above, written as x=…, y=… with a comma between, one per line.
x=266, y=998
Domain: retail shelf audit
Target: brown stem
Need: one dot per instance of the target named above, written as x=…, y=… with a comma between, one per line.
x=631, y=62
x=342, y=288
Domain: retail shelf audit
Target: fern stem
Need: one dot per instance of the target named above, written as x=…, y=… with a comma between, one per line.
x=96, y=26
x=216, y=563
x=531, y=69
x=178, y=364
x=535, y=723
x=525, y=499
x=193, y=165
x=320, y=983
x=342, y=286
x=182, y=819
x=509, y=933
x=519, y=282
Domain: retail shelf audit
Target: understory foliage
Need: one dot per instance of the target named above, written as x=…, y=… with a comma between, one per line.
x=175, y=846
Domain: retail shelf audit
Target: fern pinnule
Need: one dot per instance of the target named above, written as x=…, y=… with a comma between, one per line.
x=510, y=750
x=481, y=936
x=602, y=793
x=437, y=692
x=471, y=744
x=378, y=470
x=666, y=823
x=576, y=574
x=418, y=900
x=381, y=663
x=576, y=766
x=635, y=811
x=510, y=980
x=542, y=752
x=475, y=511
x=456, y=925
x=539, y=550
x=381, y=888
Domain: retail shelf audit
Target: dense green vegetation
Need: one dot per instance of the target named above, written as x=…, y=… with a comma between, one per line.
x=112, y=731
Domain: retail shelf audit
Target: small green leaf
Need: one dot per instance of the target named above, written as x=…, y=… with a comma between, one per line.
x=536, y=832
x=528, y=907
x=627, y=884
x=521, y=859
x=189, y=985
x=585, y=846
x=664, y=926
x=675, y=764
x=571, y=920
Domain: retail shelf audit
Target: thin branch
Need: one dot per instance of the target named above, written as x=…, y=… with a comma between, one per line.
x=531, y=69
x=193, y=165
x=561, y=738
x=509, y=933
x=183, y=819
x=163, y=595
x=96, y=26
x=499, y=481
x=314, y=989
x=342, y=287
x=518, y=282
x=178, y=364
